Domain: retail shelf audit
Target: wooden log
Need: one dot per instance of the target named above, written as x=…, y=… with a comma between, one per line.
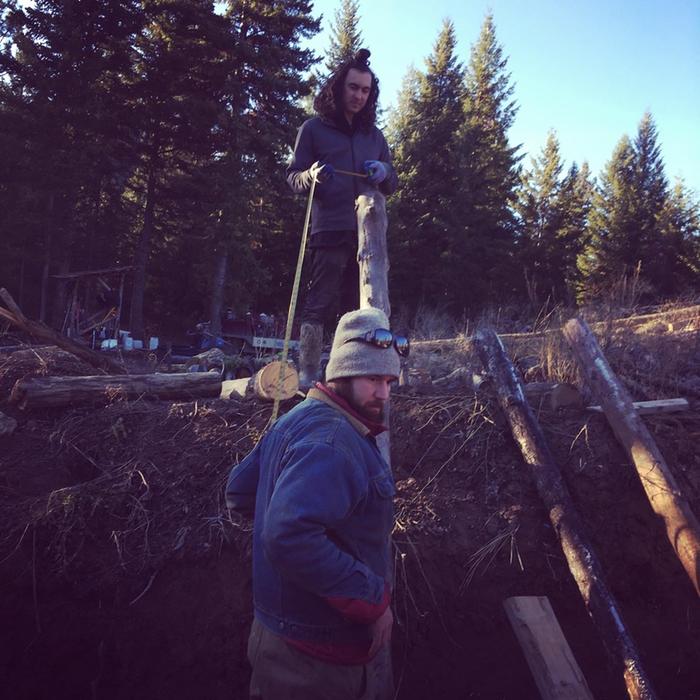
x=71, y=391
x=644, y=408
x=660, y=485
x=548, y=654
x=580, y=557
x=373, y=260
x=45, y=334
x=372, y=253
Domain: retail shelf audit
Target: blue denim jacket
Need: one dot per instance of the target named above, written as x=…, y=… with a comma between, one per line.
x=322, y=496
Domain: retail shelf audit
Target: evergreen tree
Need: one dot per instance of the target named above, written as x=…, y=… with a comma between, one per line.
x=490, y=175
x=613, y=247
x=422, y=214
x=258, y=217
x=679, y=228
x=63, y=64
x=650, y=197
x=541, y=218
x=177, y=99
x=345, y=37
x=574, y=203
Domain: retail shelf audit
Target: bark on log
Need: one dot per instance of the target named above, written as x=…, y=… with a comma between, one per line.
x=660, y=485
x=46, y=334
x=373, y=261
x=70, y=391
x=372, y=254
x=582, y=561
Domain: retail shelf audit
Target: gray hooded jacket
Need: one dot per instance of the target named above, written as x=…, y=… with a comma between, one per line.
x=337, y=144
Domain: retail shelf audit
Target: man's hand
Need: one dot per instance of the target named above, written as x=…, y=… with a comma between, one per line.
x=376, y=171
x=381, y=631
x=322, y=172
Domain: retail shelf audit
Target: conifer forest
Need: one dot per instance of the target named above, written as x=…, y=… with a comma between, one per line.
x=155, y=134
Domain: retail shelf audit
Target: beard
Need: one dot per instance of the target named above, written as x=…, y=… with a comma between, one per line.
x=374, y=411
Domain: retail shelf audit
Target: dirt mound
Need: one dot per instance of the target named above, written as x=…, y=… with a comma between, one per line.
x=124, y=575
x=39, y=362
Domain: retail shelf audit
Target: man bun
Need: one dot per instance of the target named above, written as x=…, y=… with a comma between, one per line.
x=362, y=56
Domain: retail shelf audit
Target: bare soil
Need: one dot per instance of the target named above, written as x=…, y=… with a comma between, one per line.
x=123, y=575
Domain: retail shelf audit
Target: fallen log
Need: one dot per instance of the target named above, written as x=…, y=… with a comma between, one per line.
x=39, y=392
x=644, y=408
x=45, y=334
x=581, y=559
x=373, y=261
x=660, y=485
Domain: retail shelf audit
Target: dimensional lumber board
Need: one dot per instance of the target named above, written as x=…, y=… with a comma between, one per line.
x=651, y=407
x=553, y=666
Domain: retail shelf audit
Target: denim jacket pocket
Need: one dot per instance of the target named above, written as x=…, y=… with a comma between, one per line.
x=384, y=486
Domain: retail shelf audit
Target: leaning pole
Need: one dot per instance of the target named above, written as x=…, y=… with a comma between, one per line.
x=580, y=556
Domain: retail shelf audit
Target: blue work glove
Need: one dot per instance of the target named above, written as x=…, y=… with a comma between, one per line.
x=322, y=172
x=376, y=171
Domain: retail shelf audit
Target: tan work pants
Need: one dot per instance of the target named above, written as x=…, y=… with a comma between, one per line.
x=281, y=672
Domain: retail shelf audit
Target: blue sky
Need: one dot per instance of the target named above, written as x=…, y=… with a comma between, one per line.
x=589, y=70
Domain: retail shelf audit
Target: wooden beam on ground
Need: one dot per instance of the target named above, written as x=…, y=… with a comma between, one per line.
x=548, y=654
x=373, y=261
x=652, y=407
x=40, y=392
x=45, y=334
x=582, y=560
x=660, y=485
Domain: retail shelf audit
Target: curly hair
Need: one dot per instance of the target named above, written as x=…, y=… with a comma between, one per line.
x=329, y=101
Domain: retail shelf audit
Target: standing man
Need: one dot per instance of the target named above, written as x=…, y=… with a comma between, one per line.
x=342, y=137
x=322, y=499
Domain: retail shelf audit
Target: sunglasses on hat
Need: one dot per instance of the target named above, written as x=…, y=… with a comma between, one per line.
x=383, y=338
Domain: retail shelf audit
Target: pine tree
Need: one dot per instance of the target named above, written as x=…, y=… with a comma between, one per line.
x=256, y=233
x=345, y=36
x=613, y=247
x=651, y=194
x=64, y=64
x=427, y=160
x=679, y=228
x=177, y=100
x=574, y=203
x=541, y=219
x=490, y=174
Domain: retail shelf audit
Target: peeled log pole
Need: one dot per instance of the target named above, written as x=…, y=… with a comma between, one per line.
x=45, y=334
x=582, y=561
x=373, y=261
x=372, y=254
x=70, y=391
x=659, y=483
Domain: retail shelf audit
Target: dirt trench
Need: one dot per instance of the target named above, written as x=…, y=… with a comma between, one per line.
x=123, y=576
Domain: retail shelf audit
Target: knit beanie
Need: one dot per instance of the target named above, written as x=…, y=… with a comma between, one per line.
x=355, y=359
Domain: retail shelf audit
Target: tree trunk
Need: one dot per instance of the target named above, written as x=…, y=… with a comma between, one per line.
x=372, y=254
x=582, y=561
x=373, y=260
x=46, y=269
x=217, y=291
x=141, y=257
x=660, y=485
x=41, y=392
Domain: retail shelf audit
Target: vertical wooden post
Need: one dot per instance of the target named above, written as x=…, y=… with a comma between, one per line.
x=373, y=260
x=582, y=561
x=660, y=485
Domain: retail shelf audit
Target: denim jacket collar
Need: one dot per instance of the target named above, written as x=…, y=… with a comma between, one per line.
x=320, y=396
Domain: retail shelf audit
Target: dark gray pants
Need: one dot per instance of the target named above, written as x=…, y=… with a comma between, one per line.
x=334, y=286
